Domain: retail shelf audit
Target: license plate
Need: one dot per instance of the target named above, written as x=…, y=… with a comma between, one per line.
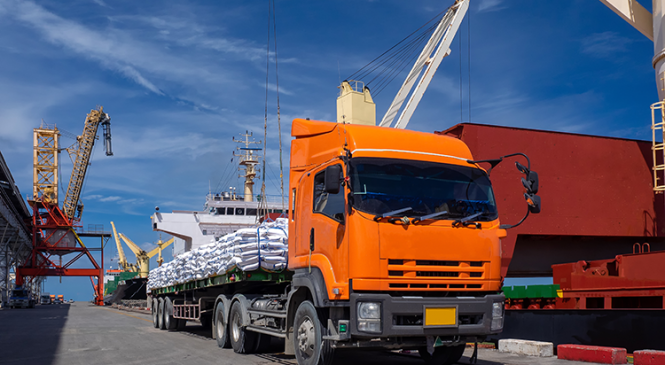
x=441, y=317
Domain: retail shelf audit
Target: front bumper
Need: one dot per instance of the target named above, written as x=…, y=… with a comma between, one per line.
x=403, y=316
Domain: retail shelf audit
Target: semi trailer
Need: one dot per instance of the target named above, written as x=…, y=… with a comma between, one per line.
x=394, y=242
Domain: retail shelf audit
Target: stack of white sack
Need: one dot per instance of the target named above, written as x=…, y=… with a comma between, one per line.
x=247, y=249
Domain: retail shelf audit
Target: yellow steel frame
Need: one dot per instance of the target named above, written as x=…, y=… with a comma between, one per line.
x=45, y=163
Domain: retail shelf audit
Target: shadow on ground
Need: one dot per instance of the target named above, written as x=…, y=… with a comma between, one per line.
x=274, y=352
x=32, y=336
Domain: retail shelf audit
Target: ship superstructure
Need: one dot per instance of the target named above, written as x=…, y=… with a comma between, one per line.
x=224, y=212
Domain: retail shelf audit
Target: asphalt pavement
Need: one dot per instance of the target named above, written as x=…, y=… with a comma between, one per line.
x=80, y=333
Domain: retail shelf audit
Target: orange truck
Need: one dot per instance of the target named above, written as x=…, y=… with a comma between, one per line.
x=394, y=243
x=60, y=299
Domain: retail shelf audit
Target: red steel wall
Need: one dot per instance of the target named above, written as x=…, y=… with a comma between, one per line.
x=590, y=186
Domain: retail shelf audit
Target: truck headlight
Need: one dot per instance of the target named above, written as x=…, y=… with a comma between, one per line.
x=369, y=310
x=497, y=316
x=369, y=317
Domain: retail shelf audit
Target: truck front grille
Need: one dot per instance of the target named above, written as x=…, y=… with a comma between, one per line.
x=447, y=274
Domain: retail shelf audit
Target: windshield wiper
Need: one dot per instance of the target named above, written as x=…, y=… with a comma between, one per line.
x=429, y=216
x=394, y=212
x=462, y=221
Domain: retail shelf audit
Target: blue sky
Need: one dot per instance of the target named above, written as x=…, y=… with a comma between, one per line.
x=180, y=79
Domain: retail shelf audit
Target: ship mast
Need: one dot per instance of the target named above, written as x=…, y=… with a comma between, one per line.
x=249, y=158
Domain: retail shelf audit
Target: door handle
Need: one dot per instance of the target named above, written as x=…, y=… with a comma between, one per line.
x=311, y=240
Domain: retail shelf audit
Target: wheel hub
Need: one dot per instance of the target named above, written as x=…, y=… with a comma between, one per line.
x=306, y=337
x=220, y=326
x=236, y=328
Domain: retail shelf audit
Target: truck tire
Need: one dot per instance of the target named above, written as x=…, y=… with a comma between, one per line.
x=206, y=321
x=444, y=355
x=170, y=323
x=263, y=343
x=160, y=314
x=222, y=330
x=182, y=324
x=155, y=313
x=310, y=348
x=242, y=340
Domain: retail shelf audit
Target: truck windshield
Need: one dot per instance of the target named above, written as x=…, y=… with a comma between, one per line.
x=382, y=185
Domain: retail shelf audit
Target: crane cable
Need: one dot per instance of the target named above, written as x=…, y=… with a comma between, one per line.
x=272, y=27
x=279, y=121
x=387, y=66
x=461, y=85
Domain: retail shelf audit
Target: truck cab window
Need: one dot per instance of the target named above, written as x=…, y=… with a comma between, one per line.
x=331, y=205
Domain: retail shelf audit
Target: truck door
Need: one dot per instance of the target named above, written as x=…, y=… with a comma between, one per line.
x=327, y=232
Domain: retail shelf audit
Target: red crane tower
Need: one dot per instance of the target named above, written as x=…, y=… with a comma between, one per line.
x=54, y=230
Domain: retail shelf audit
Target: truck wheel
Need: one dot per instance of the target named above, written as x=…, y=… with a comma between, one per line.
x=242, y=340
x=222, y=330
x=160, y=314
x=444, y=355
x=170, y=323
x=155, y=313
x=182, y=324
x=206, y=321
x=263, y=343
x=310, y=348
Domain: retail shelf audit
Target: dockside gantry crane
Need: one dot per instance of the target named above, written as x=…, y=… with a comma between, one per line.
x=53, y=231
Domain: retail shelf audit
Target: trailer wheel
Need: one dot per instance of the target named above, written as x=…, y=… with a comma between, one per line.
x=155, y=313
x=170, y=323
x=221, y=327
x=242, y=340
x=444, y=355
x=310, y=348
x=160, y=314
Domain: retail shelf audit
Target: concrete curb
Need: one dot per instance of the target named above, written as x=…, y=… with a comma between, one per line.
x=134, y=309
x=524, y=347
x=649, y=357
x=597, y=354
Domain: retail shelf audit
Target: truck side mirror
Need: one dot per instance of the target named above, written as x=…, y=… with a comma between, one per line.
x=531, y=182
x=531, y=186
x=533, y=201
x=332, y=179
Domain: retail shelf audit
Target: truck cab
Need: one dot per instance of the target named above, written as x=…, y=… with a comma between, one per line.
x=21, y=298
x=396, y=233
x=45, y=298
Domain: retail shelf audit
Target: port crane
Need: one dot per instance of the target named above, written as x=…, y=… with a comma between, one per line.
x=122, y=259
x=142, y=265
x=82, y=151
x=53, y=228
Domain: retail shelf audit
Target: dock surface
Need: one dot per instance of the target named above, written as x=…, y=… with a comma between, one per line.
x=80, y=333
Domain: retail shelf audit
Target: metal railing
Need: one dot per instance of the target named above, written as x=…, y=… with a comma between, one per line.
x=658, y=146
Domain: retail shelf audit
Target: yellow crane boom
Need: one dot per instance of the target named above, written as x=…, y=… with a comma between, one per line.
x=160, y=246
x=122, y=261
x=83, y=152
x=143, y=257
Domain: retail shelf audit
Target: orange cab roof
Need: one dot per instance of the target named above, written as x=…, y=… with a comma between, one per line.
x=374, y=141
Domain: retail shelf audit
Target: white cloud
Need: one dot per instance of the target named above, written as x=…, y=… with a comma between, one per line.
x=490, y=5
x=148, y=61
x=110, y=199
x=100, y=3
x=605, y=44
